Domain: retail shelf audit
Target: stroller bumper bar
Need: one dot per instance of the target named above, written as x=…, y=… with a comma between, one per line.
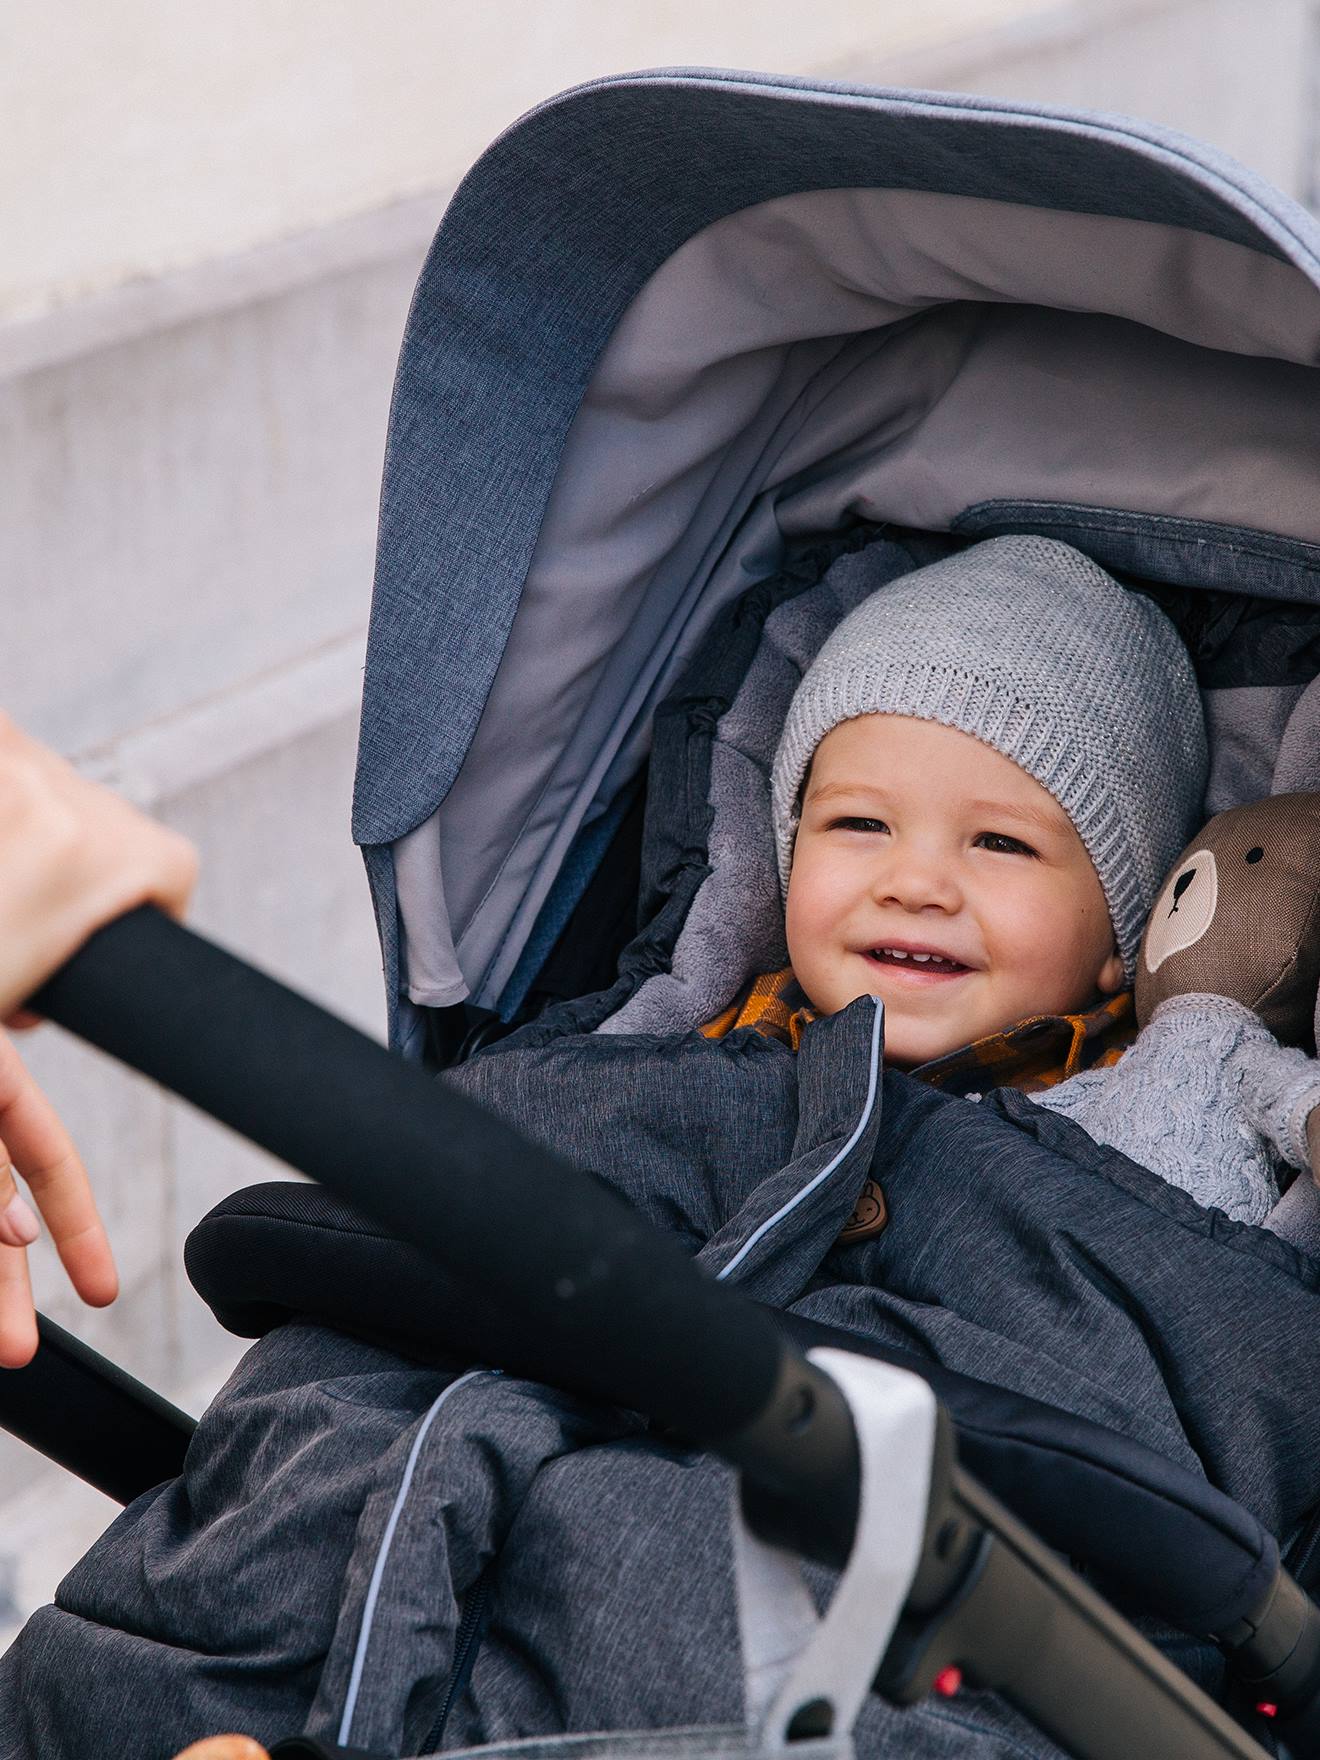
x=69, y=1400
x=584, y=1304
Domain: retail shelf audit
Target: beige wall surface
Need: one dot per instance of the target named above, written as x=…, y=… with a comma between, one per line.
x=142, y=136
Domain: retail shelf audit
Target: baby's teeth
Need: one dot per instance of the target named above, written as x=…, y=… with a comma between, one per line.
x=894, y=953
x=923, y=957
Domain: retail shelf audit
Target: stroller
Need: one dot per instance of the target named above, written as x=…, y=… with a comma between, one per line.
x=686, y=343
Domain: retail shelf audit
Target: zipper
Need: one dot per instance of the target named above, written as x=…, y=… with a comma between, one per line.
x=872, y=1089
x=467, y=1642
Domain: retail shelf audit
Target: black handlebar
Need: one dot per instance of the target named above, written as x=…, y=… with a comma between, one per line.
x=596, y=1300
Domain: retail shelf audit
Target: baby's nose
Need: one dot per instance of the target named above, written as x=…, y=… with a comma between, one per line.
x=915, y=880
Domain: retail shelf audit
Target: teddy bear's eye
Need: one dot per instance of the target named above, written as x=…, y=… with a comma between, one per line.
x=1254, y=855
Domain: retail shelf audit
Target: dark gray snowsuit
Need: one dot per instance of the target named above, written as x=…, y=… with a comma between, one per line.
x=348, y=1520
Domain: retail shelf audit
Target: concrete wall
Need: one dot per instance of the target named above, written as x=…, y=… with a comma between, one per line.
x=142, y=136
x=221, y=231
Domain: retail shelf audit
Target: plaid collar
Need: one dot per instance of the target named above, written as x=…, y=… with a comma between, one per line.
x=1032, y=1055
x=773, y=1004
x=1038, y=1052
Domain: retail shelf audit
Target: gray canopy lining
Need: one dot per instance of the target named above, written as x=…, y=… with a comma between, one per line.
x=893, y=354
x=547, y=242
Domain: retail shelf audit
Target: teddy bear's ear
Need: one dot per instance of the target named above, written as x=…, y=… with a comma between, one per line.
x=1239, y=916
x=1183, y=913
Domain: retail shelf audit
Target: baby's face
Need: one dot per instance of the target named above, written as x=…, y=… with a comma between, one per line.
x=916, y=839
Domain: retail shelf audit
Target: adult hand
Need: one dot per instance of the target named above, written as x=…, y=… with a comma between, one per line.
x=73, y=856
x=33, y=1141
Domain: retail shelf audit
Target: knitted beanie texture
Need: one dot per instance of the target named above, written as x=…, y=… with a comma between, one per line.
x=1026, y=644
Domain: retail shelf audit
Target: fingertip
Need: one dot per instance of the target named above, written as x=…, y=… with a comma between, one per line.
x=18, y=1347
x=101, y=1293
x=94, y=1277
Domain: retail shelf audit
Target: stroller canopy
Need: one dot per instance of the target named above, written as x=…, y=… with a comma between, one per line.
x=674, y=321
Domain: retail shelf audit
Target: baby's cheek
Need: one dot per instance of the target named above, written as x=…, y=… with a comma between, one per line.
x=811, y=921
x=803, y=941
x=1046, y=952
x=811, y=950
x=800, y=910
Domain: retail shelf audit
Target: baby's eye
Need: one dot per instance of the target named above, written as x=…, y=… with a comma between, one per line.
x=1003, y=845
x=857, y=824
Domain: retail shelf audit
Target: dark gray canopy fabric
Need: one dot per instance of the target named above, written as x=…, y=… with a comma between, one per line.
x=673, y=318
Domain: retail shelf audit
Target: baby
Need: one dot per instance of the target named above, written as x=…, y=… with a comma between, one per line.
x=982, y=780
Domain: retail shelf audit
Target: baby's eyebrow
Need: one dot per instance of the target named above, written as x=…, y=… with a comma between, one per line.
x=829, y=790
x=1041, y=817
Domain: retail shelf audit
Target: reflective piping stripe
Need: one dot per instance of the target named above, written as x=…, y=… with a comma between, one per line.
x=382, y=1558
x=872, y=1087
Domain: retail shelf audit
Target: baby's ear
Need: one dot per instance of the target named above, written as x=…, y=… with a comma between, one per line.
x=1112, y=976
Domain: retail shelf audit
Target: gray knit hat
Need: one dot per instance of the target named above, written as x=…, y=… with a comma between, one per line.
x=1030, y=646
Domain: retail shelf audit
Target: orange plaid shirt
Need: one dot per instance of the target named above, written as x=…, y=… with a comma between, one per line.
x=1031, y=1055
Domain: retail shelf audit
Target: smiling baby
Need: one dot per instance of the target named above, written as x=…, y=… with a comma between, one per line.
x=981, y=782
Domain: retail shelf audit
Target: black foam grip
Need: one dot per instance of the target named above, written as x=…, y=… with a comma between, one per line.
x=92, y=1417
x=577, y=1288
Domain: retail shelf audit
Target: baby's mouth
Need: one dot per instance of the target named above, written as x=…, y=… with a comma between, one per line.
x=918, y=967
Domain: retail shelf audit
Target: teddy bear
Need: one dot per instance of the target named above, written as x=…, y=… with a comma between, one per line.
x=1219, y=1094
